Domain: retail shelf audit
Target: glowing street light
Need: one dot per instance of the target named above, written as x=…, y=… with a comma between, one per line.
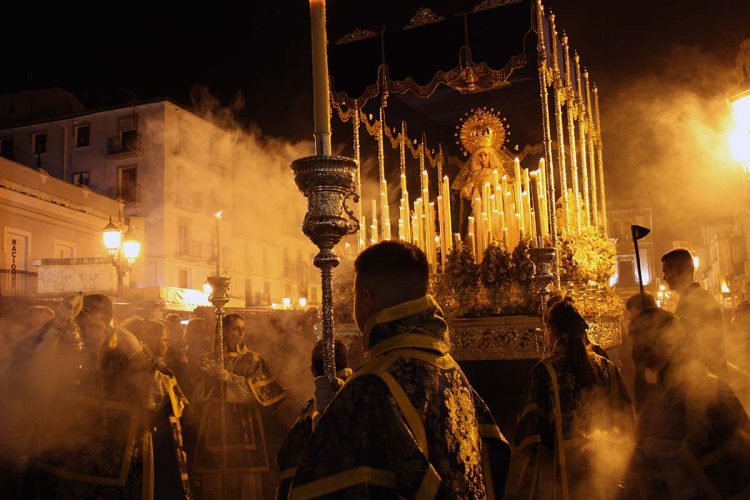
x=124, y=251
x=739, y=137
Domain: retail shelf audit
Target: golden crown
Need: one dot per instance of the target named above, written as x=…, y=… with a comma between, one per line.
x=481, y=127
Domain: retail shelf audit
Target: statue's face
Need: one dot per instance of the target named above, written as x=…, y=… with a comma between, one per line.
x=484, y=159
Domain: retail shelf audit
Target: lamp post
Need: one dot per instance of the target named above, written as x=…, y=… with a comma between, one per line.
x=123, y=251
x=739, y=138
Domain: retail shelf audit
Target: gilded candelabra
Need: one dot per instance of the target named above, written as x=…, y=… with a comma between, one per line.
x=327, y=182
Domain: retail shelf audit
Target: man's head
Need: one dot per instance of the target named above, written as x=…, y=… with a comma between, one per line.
x=95, y=319
x=153, y=334
x=387, y=274
x=198, y=336
x=316, y=365
x=638, y=303
x=677, y=266
x=657, y=337
x=234, y=330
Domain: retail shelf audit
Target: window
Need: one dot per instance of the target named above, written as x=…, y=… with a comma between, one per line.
x=248, y=292
x=83, y=135
x=129, y=140
x=128, y=183
x=6, y=147
x=81, y=178
x=39, y=142
x=183, y=277
x=183, y=239
x=266, y=292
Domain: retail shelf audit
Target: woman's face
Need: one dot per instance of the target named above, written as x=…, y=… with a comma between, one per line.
x=484, y=159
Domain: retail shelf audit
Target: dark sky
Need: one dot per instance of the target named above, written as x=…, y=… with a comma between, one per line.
x=261, y=49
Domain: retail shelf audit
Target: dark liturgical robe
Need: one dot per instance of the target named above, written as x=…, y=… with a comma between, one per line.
x=407, y=423
x=250, y=390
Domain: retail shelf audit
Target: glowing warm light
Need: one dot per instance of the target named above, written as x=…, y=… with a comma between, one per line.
x=194, y=298
x=111, y=235
x=218, y=214
x=287, y=302
x=739, y=137
x=696, y=261
x=131, y=247
x=724, y=287
x=302, y=302
x=207, y=288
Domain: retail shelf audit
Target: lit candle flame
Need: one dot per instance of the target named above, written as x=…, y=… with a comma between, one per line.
x=218, y=214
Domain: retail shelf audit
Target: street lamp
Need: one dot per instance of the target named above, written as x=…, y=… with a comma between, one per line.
x=124, y=251
x=739, y=137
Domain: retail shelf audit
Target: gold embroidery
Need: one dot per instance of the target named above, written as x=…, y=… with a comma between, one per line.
x=403, y=310
x=461, y=425
x=343, y=480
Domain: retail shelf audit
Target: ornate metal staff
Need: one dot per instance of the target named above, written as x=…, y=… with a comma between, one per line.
x=219, y=298
x=326, y=181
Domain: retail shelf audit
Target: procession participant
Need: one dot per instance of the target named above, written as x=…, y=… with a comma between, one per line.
x=407, y=422
x=301, y=430
x=198, y=343
x=35, y=317
x=634, y=371
x=91, y=441
x=704, y=330
x=165, y=404
x=231, y=455
x=572, y=395
x=694, y=436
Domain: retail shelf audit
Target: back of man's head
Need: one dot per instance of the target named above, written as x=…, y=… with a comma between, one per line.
x=317, y=363
x=98, y=303
x=679, y=259
x=640, y=302
x=393, y=272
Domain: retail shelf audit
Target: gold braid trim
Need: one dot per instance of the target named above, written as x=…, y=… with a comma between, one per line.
x=343, y=480
x=490, y=431
x=410, y=340
x=399, y=311
x=529, y=408
x=430, y=483
x=287, y=473
x=526, y=442
x=558, y=426
x=489, y=485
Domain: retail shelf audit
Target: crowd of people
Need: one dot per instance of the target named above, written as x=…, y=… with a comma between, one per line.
x=145, y=409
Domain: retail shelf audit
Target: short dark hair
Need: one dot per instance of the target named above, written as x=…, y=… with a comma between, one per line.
x=226, y=321
x=96, y=302
x=173, y=318
x=395, y=271
x=680, y=259
x=317, y=357
x=636, y=302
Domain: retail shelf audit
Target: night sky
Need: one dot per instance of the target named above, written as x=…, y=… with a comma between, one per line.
x=261, y=49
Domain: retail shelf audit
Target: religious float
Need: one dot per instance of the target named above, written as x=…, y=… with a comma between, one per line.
x=493, y=168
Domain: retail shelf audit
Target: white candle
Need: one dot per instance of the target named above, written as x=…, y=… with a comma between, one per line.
x=218, y=242
x=320, y=67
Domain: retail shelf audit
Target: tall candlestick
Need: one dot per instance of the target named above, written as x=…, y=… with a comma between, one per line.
x=374, y=226
x=431, y=230
x=517, y=191
x=218, y=242
x=320, y=77
x=441, y=226
x=447, y=213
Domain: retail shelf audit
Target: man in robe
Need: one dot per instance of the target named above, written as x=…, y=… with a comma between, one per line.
x=694, y=435
x=407, y=423
x=91, y=440
x=235, y=407
x=302, y=429
x=704, y=332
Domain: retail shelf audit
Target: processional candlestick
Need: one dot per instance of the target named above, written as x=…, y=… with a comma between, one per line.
x=327, y=181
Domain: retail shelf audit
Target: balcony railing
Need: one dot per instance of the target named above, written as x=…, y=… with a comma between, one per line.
x=17, y=282
x=124, y=143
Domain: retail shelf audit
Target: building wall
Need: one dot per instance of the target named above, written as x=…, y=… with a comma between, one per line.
x=50, y=218
x=185, y=174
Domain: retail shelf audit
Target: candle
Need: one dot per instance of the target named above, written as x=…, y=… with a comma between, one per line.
x=320, y=68
x=441, y=225
x=447, y=212
x=431, y=230
x=363, y=232
x=218, y=242
x=495, y=177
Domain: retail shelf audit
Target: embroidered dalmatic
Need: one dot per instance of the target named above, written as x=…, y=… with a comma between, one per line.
x=571, y=441
x=250, y=389
x=407, y=423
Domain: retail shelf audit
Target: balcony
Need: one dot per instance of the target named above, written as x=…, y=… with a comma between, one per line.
x=189, y=250
x=127, y=142
x=132, y=194
x=17, y=283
